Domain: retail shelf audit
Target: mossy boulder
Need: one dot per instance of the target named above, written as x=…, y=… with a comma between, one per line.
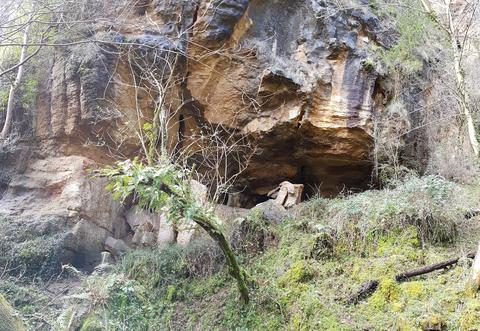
x=8, y=320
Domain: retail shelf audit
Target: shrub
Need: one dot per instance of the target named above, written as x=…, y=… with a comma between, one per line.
x=203, y=257
x=156, y=268
x=431, y=204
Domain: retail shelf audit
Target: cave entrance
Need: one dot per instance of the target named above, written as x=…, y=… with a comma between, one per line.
x=325, y=180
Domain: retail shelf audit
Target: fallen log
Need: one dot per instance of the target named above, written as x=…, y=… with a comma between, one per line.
x=429, y=268
x=367, y=288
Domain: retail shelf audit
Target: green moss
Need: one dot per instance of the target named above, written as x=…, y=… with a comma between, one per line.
x=388, y=291
x=299, y=272
x=469, y=320
x=292, y=289
x=8, y=320
x=413, y=290
x=433, y=321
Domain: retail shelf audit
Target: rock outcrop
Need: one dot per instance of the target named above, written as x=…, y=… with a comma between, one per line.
x=292, y=76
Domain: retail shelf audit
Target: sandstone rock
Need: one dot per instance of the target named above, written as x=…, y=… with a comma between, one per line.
x=287, y=194
x=228, y=213
x=218, y=19
x=200, y=192
x=137, y=217
x=311, y=101
x=288, y=74
x=60, y=189
x=166, y=235
x=86, y=242
x=148, y=239
x=116, y=247
x=185, y=233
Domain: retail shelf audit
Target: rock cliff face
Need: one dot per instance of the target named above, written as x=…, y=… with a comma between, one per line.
x=292, y=75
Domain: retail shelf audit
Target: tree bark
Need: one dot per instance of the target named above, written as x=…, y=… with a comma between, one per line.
x=461, y=86
x=429, y=268
x=475, y=277
x=14, y=86
x=464, y=96
x=366, y=288
x=208, y=223
x=216, y=234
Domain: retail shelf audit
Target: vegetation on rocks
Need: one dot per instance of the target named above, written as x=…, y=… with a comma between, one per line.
x=297, y=290
x=189, y=110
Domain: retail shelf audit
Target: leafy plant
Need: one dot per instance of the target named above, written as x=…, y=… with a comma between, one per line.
x=165, y=187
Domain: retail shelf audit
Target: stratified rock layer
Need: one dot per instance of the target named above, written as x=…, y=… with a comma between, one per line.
x=293, y=76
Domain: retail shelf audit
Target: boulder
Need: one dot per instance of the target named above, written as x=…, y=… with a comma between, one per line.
x=136, y=218
x=287, y=194
x=166, y=235
x=116, y=247
x=148, y=239
x=78, y=209
x=271, y=211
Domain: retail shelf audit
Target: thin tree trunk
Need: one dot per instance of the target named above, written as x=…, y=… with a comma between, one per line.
x=14, y=86
x=475, y=277
x=461, y=86
x=235, y=270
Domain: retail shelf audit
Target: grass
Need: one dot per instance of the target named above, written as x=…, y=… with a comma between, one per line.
x=431, y=204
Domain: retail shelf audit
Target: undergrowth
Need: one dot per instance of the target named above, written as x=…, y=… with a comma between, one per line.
x=431, y=204
x=303, y=279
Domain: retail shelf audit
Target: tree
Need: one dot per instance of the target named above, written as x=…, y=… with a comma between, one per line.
x=159, y=180
x=164, y=187
x=15, y=84
x=474, y=281
x=458, y=29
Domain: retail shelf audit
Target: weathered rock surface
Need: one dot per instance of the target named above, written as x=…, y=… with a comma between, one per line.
x=287, y=194
x=117, y=247
x=56, y=197
x=271, y=211
x=289, y=74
